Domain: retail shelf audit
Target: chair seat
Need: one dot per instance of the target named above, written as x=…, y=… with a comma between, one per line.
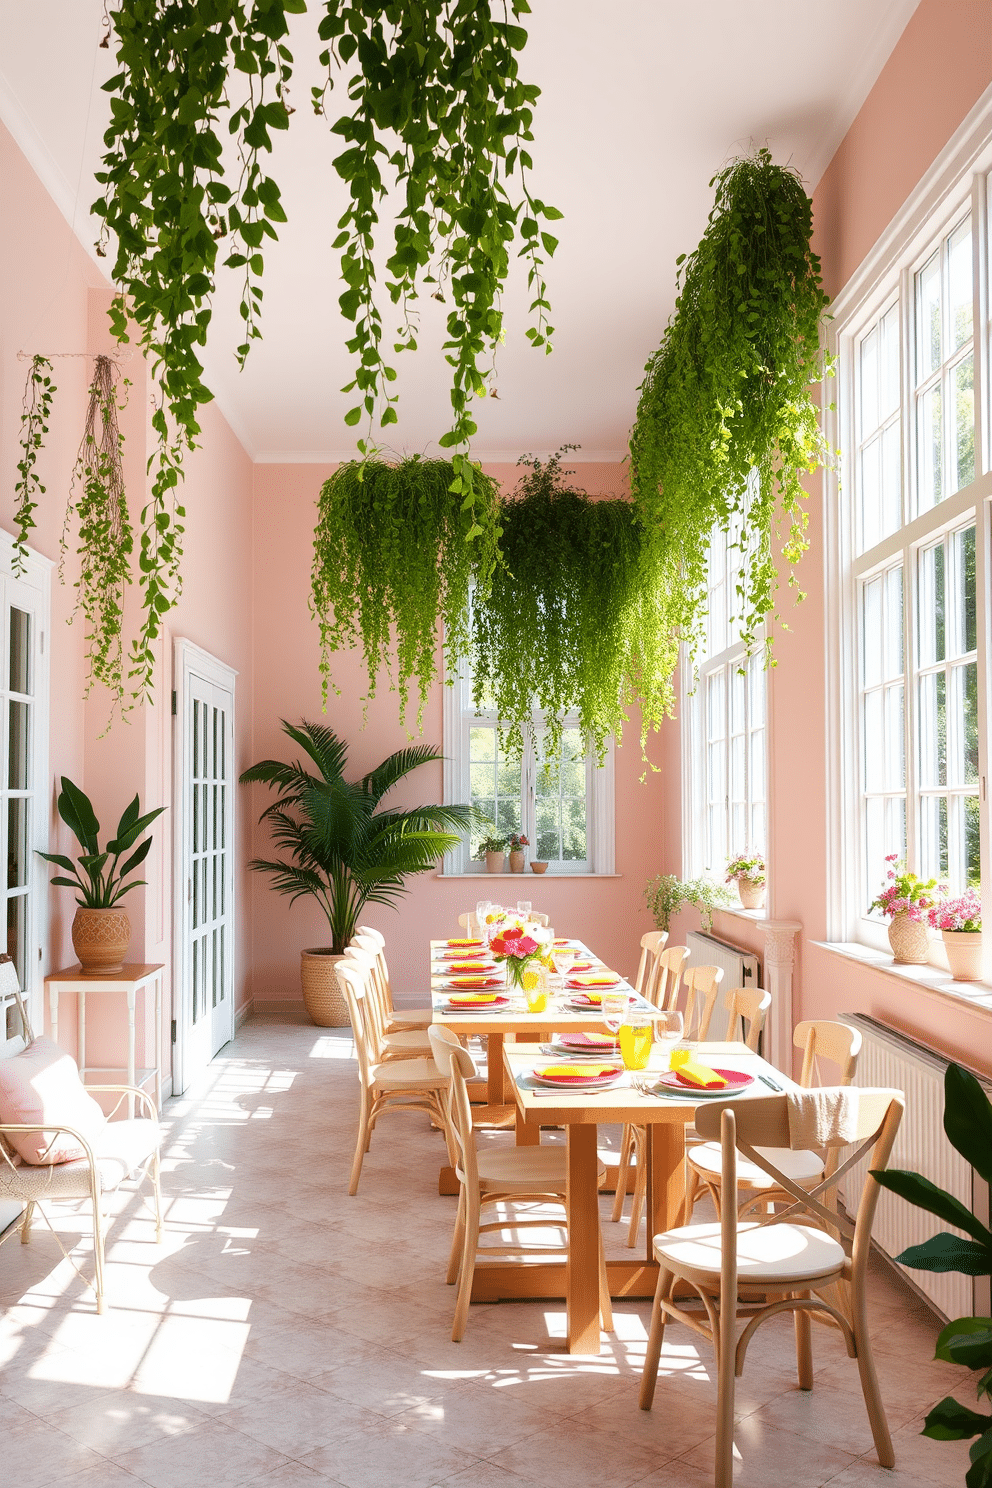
x=765, y=1253
x=120, y=1148
x=409, y=1018
x=408, y=1074
x=804, y=1168
x=410, y=1042
x=531, y=1169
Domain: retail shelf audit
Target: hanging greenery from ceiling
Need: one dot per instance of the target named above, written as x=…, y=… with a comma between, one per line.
x=726, y=424
x=570, y=624
x=390, y=550
x=39, y=391
x=435, y=97
x=98, y=503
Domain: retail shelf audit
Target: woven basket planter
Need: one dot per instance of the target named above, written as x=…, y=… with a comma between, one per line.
x=909, y=939
x=322, y=995
x=100, y=938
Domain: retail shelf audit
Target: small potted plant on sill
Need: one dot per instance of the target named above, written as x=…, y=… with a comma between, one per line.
x=666, y=894
x=493, y=849
x=748, y=873
x=101, y=930
x=516, y=845
x=959, y=921
x=906, y=901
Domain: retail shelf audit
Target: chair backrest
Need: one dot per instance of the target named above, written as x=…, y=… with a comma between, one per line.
x=755, y=1125
x=652, y=945
x=668, y=977
x=749, y=1005
x=469, y=924
x=702, y=984
x=353, y=977
x=457, y=1066
x=371, y=945
x=822, y=1038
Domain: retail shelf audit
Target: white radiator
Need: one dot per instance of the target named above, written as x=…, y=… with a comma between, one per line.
x=890, y=1058
x=740, y=969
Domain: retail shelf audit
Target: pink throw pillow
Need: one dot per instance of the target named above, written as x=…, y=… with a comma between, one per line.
x=40, y=1087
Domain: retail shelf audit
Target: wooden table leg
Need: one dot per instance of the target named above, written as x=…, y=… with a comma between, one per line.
x=582, y=1271
x=498, y=1093
x=666, y=1178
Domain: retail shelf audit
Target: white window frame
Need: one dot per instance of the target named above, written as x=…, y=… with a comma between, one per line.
x=460, y=716
x=957, y=182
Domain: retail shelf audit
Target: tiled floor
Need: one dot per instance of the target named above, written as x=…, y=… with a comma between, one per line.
x=286, y=1334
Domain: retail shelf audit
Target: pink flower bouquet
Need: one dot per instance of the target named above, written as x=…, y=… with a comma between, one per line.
x=904, y=893
x=520, y=946
x=962, y=913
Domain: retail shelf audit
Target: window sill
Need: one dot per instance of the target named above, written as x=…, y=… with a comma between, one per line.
x=530, y=877
x=976, y=996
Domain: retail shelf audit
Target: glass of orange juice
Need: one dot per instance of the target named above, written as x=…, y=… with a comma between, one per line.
x=636, y=1037
x=535, y=985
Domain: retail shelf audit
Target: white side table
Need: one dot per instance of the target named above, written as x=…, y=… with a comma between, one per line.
x=132, y=979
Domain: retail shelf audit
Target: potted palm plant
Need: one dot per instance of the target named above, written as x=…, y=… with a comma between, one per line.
x=101, y=932
x=342, y=849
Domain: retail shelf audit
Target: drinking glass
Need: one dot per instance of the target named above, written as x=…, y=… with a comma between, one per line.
x=480, y=918
x=615, y=1005
x=635, y=1040
x=668, y=1032
x=523, y=907
x=564, y=957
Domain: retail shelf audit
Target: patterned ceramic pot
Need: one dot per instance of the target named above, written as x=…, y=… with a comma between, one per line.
x=100, y=938
x=964, y=954
x=909, y=939
x=752, y=895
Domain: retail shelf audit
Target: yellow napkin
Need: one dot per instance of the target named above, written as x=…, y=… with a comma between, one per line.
x=597, y=979
x=472, y=999
x=700, y=1075
x=576, y=1071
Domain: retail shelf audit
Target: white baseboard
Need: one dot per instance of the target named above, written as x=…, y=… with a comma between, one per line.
x=243, y=1012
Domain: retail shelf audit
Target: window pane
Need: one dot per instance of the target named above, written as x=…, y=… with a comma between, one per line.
x=963, y=382
x=929, y=472
x=964, y=562
x=871, y=494
x=889, y=363
x=929, y=355
x=963, y=745
x=20, y=651
x=960, y=292
x=17, y=842
x=871, y=628
x=891, y=483
x=869, y=381
x=17, y=762
x=933, y=837
x=895, y=738
x=931, y=605
x=893, y=624
x=973, y=862
x=17, y=906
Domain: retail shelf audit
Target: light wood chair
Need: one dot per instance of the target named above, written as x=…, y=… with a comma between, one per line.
x=747, y=1005
x=405, y=1043
x=702, y=985
x=776, y=1264
x=398, y=1018
x=652, y=945
x=668, y=977
x=497, y=1176
x=397, y=1085
x=818, y=1039
x=118, y=1151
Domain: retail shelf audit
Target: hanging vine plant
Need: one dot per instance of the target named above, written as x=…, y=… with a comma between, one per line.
x=435, y=96
x=390, y=550
x=39, y=391
x=569, y=624
x=98, y=502
x=726, y=424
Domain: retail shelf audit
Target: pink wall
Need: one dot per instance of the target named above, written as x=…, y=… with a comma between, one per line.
x=53, y=299
x=610, y=912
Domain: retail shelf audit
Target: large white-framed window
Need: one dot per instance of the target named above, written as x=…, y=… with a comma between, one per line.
x=564, y=808
x=25, y=801
x=724, y=728
x=909, y=557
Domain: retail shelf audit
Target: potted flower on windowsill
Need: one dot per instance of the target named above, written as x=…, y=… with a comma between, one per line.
x=906, y=902
x=959, y=921
x=748, y=873
x=493, y=849
x=516, y=845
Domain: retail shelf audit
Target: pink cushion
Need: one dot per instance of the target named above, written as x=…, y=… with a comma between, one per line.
x=41, y=1087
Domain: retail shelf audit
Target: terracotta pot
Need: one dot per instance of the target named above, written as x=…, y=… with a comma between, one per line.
x=538, y=867
x=752, y=895
x=494, y=862
x=517, y=861
x=909, y=939
x=322, y=995
x=100, y=938
x=964, y=954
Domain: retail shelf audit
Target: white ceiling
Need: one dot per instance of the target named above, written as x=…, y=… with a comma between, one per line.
x=643, y=100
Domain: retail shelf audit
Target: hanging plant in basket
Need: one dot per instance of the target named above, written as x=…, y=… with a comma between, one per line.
x=390, y=549
x=726, y=425
x=569, y=624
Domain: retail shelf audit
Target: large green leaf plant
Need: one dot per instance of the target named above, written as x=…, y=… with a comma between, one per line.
x=342, y=847
x=967, y=1340
x=99, y=878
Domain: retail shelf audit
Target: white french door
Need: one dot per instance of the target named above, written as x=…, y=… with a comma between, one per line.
x=204, y=860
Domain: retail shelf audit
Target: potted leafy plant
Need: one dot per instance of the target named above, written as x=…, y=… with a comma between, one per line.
x=906, y=901
x=342, y=848
x=959, y=921
x=748, y=873
x=101, y=932
x=666, y=894
x=493, y=849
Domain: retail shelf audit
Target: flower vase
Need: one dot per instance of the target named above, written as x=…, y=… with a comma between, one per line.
x=752, y=895
x=517, y=861
x=964, y=954
x=909, y=939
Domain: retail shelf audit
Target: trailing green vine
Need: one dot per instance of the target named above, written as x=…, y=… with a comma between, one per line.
x=726, y=425
x=167, y=205
x=390, y=550
x=39, y=390
x=570, y=624
x=98, y=501
x=437, y=98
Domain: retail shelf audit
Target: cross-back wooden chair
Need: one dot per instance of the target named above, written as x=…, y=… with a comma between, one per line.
x=747, y=1005
x=669, y=977
x=778, y=1263
x=702, y=984
x=818, y=1039
x=398, y=1019
x=111, y=1150
x=497, y=1176
x=396, y=1085
x=652, y=945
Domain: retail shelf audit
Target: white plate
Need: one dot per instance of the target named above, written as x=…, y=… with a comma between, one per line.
x=603, y=1083
x=578, y=1056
